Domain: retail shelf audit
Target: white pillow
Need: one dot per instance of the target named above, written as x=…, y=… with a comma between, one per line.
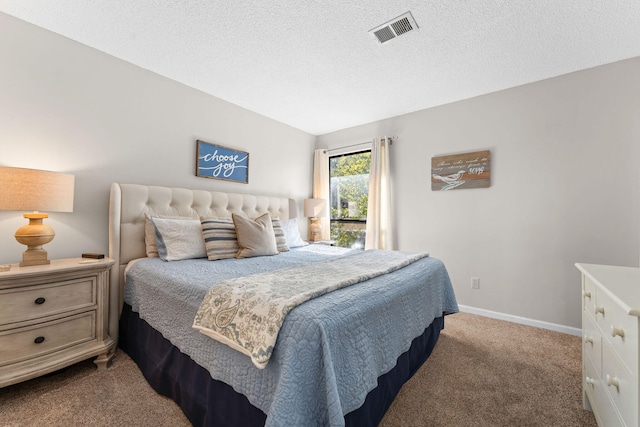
x=151, y=247
x=292, y=233
x=179, y=238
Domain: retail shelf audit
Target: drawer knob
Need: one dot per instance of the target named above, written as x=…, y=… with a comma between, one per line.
x=600, y=310
x=590, y=381
x=40, y=300
x=617, y=332
x=588, y=340
x=613, y=382
x=39, y=340
x=586, y=294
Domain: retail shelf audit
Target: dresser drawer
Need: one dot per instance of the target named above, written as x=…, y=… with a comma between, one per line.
x=620, y=384
x=37, y=340
x=33, y=302
x=603, y=309
x=620, y=329
x=599, y=399
x=588, y=295
x=592, y=342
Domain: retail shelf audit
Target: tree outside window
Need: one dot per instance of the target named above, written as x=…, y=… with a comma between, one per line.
x=349, y=198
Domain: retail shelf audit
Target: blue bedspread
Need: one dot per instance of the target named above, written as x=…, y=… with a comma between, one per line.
x=330, y=350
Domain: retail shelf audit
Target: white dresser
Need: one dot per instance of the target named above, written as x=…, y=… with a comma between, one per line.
x=52, y=316
x=610, y=360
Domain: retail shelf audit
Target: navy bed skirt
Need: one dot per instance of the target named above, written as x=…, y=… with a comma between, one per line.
x=208, y=402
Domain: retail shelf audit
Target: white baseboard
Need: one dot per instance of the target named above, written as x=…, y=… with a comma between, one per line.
x=522, y=320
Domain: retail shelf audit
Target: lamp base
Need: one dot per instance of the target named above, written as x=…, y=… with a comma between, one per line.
x=315, y=230
x=34, y=257
x=34, y=235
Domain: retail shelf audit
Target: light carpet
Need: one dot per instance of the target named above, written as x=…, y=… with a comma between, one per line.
x=483, y=372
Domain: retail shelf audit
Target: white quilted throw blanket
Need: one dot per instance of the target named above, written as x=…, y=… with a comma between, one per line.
x=246, y=313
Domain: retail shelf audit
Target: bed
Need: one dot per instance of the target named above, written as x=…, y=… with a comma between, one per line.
x=340, y=358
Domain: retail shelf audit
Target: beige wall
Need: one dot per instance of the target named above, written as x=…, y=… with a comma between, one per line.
x=69, y=108
x=565, y=188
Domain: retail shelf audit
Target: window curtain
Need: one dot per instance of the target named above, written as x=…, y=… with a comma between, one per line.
x=379, y=219
x=321, y=187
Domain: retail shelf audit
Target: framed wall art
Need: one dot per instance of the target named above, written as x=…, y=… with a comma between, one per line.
x=218, y=162
x=457, y=171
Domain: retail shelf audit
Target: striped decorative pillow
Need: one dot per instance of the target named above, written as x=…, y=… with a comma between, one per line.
x=220, y=238
x=281, y=239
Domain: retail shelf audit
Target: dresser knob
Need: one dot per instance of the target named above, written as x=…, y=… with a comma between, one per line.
x=588, y=340
x=617, y=332
x=40, y=300
x=586, y=294
x=590, y=381
x=600, y=310
x=613, y=382
x=39, y=340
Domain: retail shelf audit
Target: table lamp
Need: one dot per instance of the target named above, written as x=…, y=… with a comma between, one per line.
x=35, y=190
x=314, y=209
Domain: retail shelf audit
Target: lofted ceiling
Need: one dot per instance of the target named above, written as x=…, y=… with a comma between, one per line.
x=314, y=65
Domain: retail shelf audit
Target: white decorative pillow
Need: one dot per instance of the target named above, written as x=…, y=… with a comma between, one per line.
x=255, y=237
x=281, y=240
x=292, y=233
x=220, y=238
x=179, y=238
x=151, y=246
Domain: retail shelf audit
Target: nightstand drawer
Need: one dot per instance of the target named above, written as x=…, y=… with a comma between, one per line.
x=37, y=301
x=37, y=340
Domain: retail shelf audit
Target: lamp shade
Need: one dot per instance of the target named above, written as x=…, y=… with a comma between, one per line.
x=315, y=208
x=35, y=190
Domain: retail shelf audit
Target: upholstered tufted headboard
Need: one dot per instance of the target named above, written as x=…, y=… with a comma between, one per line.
x=129, y=203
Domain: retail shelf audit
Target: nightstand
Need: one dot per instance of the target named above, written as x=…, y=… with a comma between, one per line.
x=52, y=316
x=323, y=242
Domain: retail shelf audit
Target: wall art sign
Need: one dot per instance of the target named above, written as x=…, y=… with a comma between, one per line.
x=217, y=162
x=457, y=171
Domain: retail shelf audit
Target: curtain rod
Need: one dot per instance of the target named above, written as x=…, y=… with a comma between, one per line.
x=390, y=138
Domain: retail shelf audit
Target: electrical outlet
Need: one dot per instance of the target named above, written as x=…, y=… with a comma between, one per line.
x=475, y=283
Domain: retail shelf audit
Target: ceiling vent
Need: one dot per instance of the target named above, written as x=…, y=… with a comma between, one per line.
x=396, y=27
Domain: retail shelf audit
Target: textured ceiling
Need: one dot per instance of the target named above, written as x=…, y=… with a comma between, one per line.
x=314, y=65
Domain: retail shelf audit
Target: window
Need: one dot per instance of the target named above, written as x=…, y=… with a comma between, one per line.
x=349, y=197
